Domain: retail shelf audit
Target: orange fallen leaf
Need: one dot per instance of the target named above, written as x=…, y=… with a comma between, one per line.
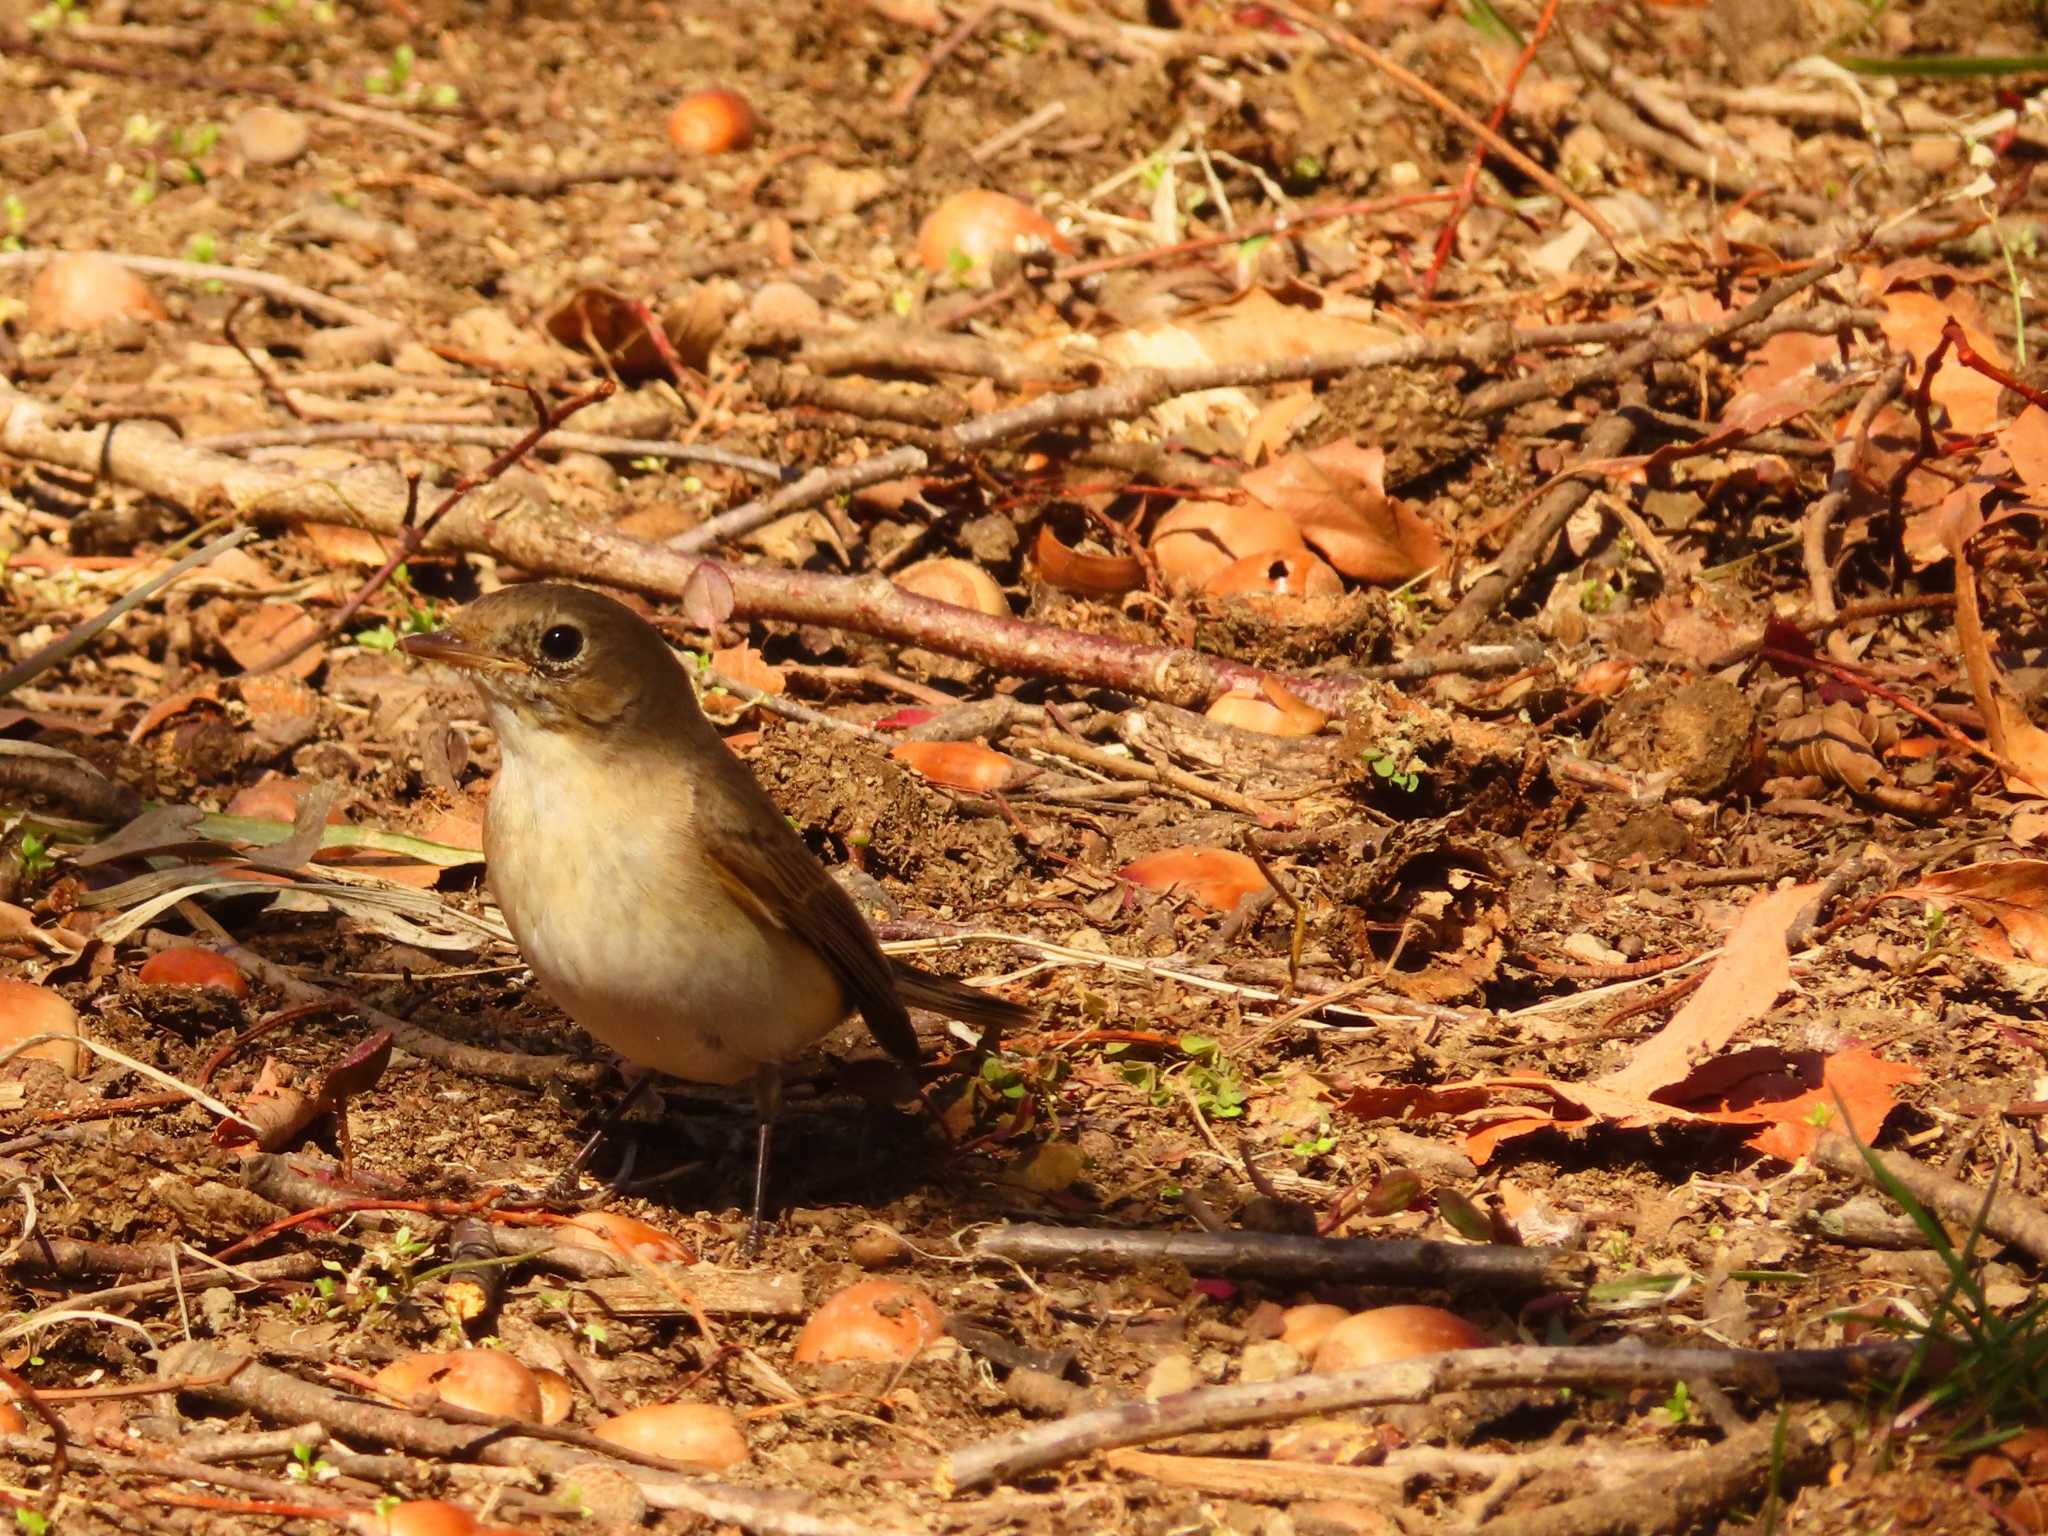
x=267, y=631
x=2010, y=893
x=743, y=664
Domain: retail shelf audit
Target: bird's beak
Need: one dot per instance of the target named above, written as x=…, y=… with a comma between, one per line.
x=453, y=651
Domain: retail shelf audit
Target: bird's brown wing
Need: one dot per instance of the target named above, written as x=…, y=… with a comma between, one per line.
x=767, y=870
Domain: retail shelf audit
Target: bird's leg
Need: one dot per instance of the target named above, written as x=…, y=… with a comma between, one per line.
x=767, y=1102
x=565, y=1183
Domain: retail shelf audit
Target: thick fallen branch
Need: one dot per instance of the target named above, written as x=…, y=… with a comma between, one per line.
x=373, y=497
x=2008, y=1217
x=1620, y=1367
x=1356, y=1261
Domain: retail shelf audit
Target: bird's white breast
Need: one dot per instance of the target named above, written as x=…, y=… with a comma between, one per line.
x=627, y=931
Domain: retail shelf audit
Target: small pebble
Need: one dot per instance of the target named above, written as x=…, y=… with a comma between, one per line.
x=877, y=1247
x=1270, y=1360
x=1041, y=1392
x=270, y=135
x=781, y=306
x=1174, y=1373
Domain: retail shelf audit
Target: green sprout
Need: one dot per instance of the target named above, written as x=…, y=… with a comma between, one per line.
x=202, y=247
x=1400, y=771
x=32, y=854
x=1678, y=1406
x=390, y=82
x=419, y=618
x=1308, y=1148
x=308, y=1467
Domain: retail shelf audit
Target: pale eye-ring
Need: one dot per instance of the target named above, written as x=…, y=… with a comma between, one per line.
x=561, y=644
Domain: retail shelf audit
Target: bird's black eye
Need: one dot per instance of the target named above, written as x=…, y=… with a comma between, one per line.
x=562, y=644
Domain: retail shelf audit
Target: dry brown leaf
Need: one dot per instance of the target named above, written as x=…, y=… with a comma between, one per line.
x=1912, y=323
x=2025, y=441
x=1753, y=969
x=2010, y=893
x=1196, y=540
x=1078, y=570
x=743, y=664
x=267, y=631
x=1336, y=496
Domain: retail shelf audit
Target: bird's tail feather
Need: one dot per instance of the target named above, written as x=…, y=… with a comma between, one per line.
x=970, y=1005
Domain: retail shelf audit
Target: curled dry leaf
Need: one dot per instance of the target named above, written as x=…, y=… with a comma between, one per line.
x=697, y=1434
x=616, y=1232
x=186, y=965
x=873, y=1320
x=1273, y=711
x=481, y=1380
x=969, y=231
x=959, y=582
x=1219, y=878
x=1605, y=678
x=83, y=291
x=1386, y=1334
x=1195, y=541
x=608, y=324
x=1336, y=496
x=1074, y=570
x=1276, y=573
x=272, y=1115
x=27, y=1009
x=743, y=664
x=962, y=765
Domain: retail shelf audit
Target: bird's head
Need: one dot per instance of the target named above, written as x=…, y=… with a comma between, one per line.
x=562, y=658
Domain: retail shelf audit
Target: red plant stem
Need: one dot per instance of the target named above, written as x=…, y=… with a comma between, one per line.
x=1469, y=186
x=30, y=1399
x=1967, y=355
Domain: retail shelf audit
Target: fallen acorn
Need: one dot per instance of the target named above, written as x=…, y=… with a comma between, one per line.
x=481, y=1380
x=697, y=1434
x=83, y=291
x=27, y=1009
x=871, y=1320
x=187, y=965
x=1386, y=1334
x=1306, y=1326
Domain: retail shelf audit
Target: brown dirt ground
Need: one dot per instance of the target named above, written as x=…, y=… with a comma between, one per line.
x=569, y=86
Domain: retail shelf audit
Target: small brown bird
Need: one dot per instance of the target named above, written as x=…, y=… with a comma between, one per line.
x=660, y=897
